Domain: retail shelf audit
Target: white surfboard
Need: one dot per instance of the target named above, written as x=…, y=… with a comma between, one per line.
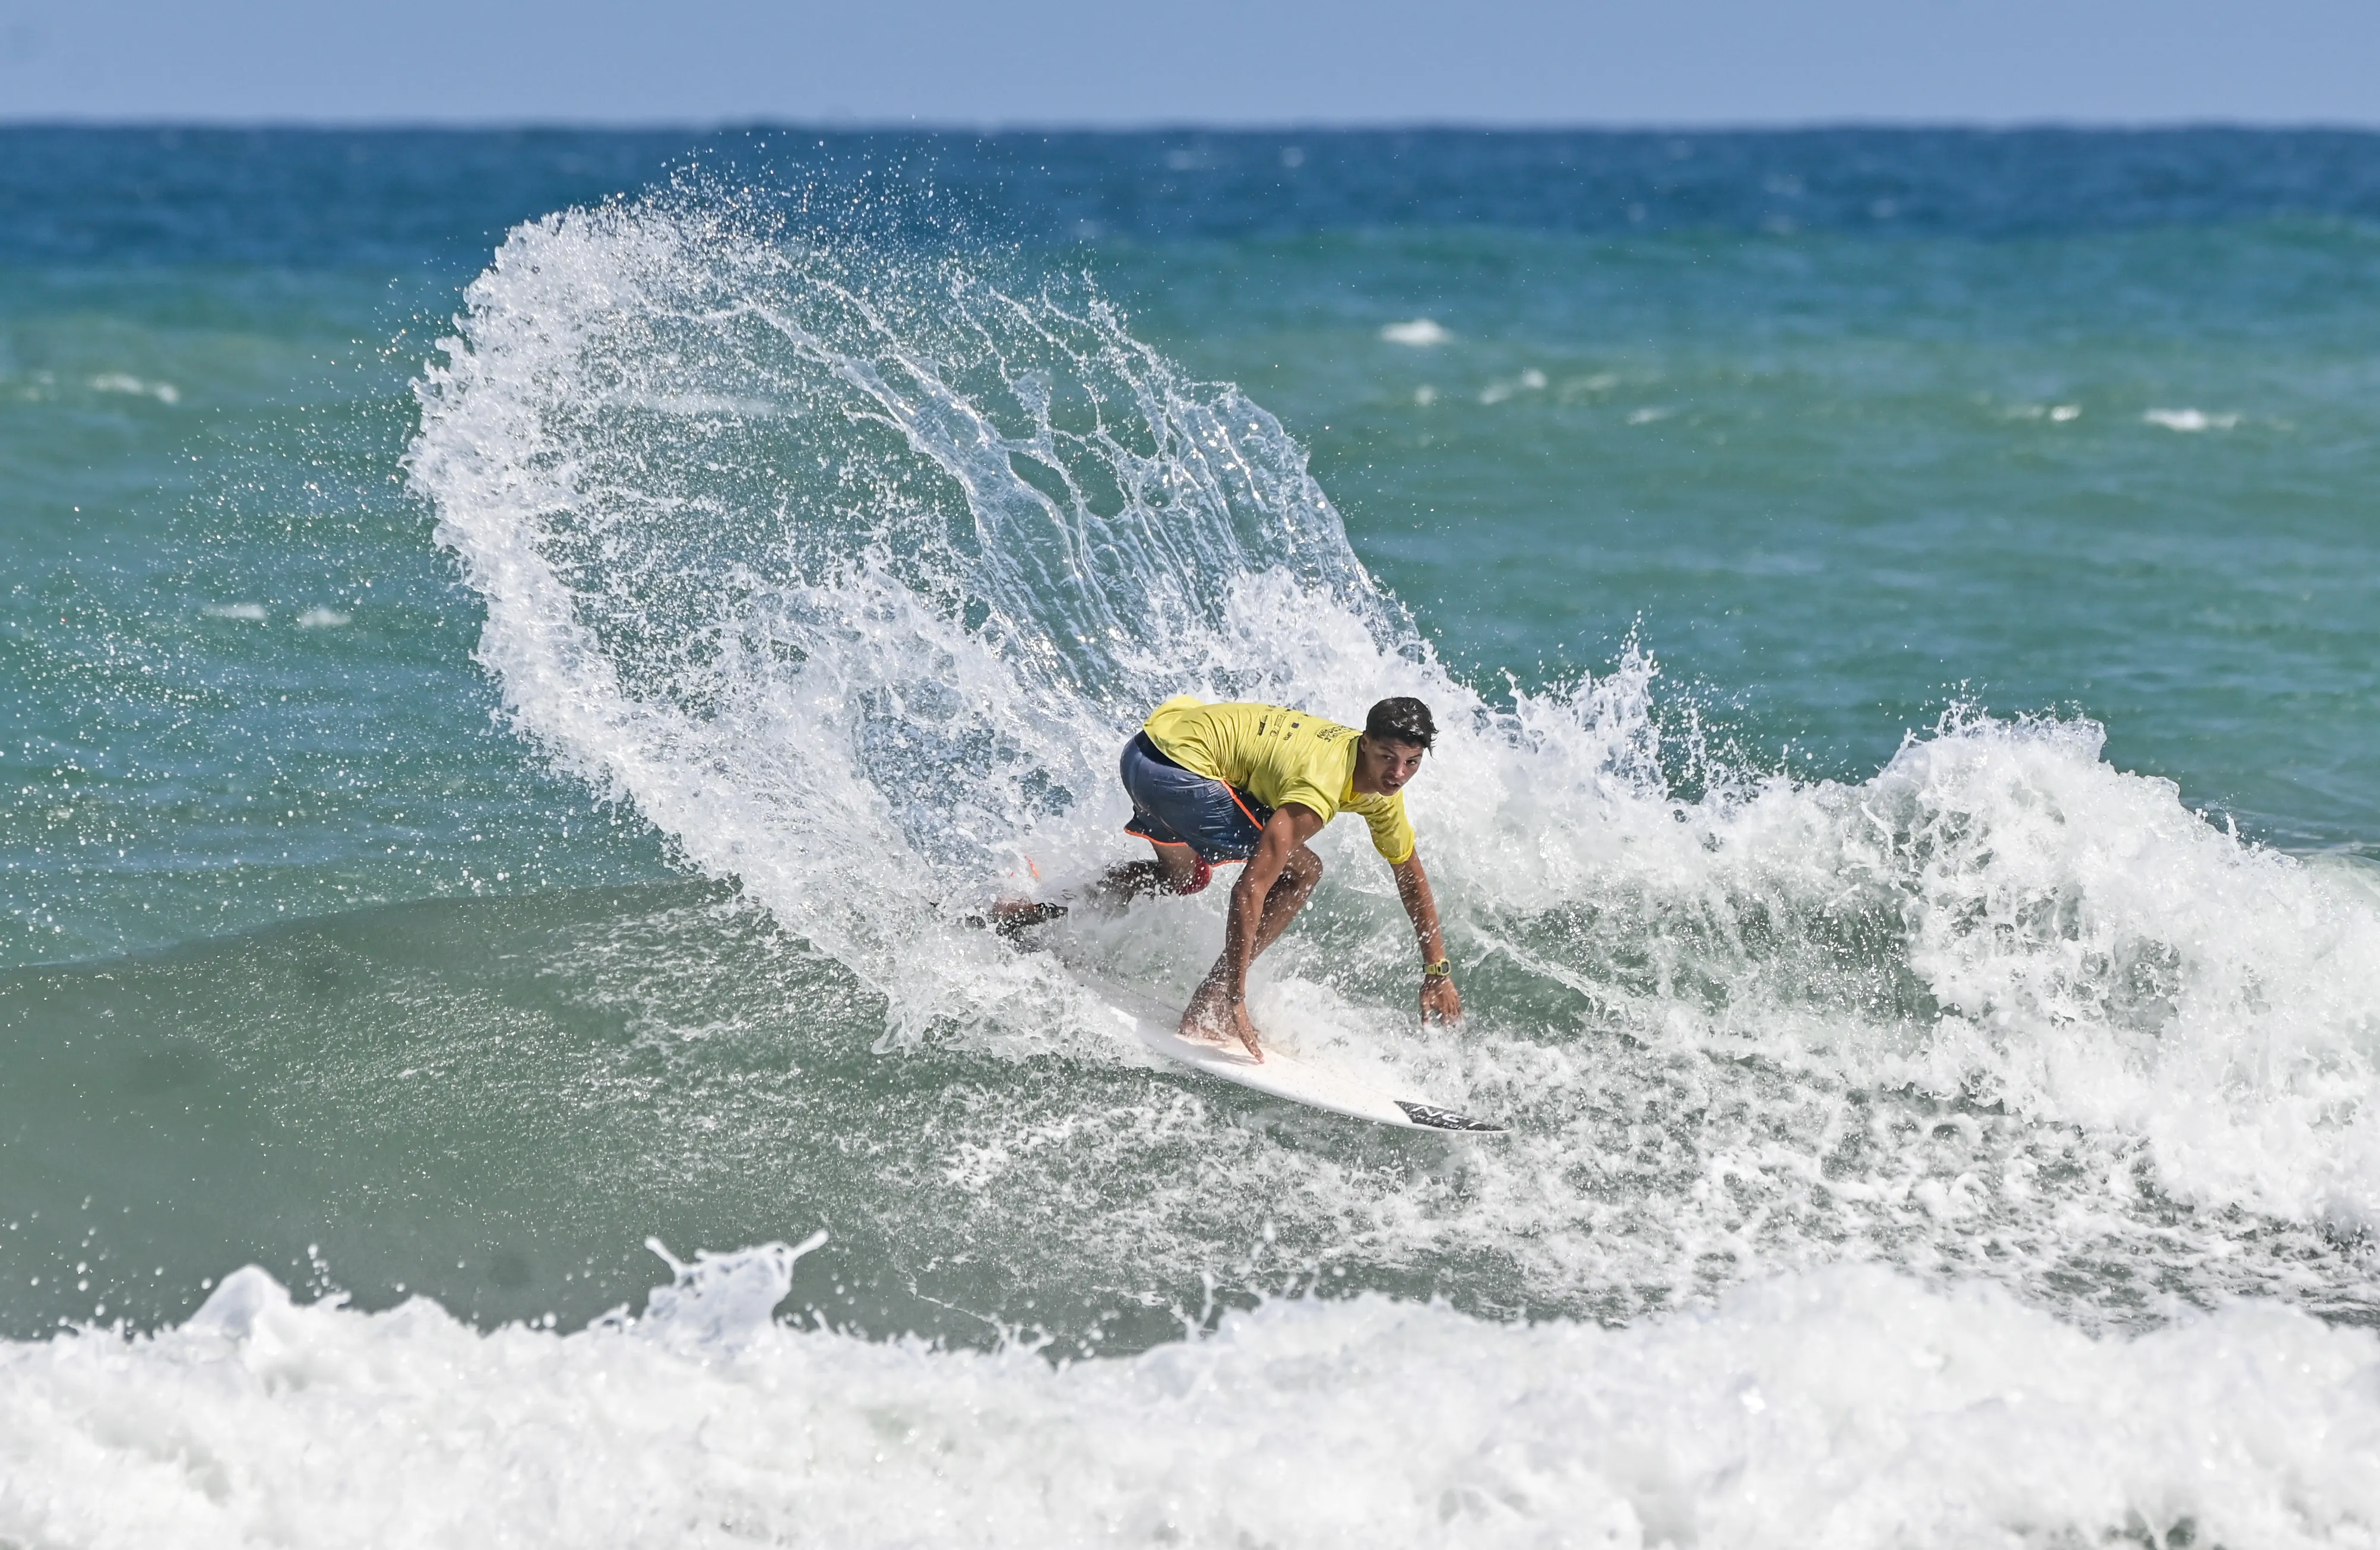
x=1282, y=1074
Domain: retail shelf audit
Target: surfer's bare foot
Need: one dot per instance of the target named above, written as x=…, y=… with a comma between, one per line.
x=1213, y=1018
x=1245, y=1032
x=1008, y=916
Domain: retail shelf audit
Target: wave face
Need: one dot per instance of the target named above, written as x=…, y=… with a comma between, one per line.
x=853, y=574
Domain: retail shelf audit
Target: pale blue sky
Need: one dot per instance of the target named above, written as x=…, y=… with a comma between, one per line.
x=1225, y=62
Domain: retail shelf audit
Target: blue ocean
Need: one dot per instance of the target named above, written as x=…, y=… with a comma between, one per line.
x=526, y=654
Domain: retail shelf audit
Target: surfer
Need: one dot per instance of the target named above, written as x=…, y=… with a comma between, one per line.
x=1253, y=783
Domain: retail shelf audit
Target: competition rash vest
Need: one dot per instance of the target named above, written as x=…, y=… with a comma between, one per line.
x=1277, y=755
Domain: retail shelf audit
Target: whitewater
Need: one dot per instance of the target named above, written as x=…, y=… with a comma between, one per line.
x=1985, y=1150
x=1847, y=1406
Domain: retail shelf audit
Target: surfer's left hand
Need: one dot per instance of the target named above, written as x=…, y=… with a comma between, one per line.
x=1440, y=1001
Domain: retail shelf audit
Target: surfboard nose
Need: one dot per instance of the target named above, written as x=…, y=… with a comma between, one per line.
x=1431, y=1118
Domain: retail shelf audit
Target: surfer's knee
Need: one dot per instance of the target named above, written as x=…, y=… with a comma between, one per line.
x=1177, y=868
x=1200, y=873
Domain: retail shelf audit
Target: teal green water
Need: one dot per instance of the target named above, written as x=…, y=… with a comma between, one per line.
x=316, y=957
x=200, y=468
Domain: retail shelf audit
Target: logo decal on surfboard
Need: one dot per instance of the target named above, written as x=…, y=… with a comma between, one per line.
x=1429, y=1118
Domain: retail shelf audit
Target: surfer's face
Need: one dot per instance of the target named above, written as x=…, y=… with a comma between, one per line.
x=1384, y=767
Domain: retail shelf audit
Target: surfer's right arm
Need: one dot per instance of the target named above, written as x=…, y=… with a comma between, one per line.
x=1439, y=1001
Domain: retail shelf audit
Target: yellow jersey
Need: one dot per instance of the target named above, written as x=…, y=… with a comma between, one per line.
x=1277, y=755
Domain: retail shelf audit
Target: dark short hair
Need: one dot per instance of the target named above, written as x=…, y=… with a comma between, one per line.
x=1402, y=720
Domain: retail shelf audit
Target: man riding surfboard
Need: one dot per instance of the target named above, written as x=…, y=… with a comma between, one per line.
x=1253, y=783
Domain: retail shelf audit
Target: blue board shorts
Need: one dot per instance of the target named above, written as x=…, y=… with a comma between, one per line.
x=1178, y=806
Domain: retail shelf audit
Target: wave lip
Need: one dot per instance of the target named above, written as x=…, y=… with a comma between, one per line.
x=2096, y=952
x=1849, y=1407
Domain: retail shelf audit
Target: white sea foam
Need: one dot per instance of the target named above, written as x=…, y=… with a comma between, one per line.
x=1849, y=1408
x=251, y=612
x=1530, y=380
x=2077, y=943
x=1419, y=332
x=319, y=618
x=2189, y=419
x=119, y=381
x=2001, y=1008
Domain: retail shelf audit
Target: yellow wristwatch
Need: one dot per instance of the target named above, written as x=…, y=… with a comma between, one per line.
x=1443, y=969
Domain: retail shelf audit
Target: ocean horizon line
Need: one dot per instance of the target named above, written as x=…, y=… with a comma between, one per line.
x=996, y=130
